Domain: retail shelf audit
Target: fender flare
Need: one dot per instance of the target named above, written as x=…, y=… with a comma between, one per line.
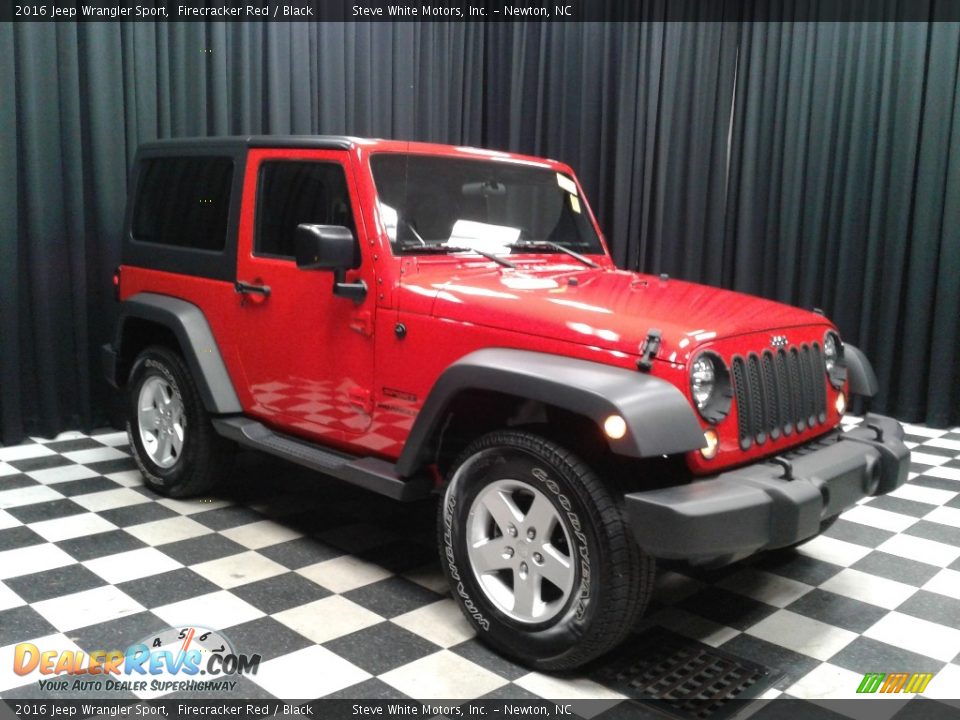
x=660, y=420
x=200, y=350
x=863, y=381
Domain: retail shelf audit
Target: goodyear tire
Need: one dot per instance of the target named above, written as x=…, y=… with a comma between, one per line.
x=538, y=553
x=173, y=441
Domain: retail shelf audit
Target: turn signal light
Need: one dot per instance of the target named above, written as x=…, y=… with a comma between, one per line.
x=713, y=444
x=841, y=403
x=615, y=427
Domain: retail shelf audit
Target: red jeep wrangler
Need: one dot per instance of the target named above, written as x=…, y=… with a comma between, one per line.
x=420, y=319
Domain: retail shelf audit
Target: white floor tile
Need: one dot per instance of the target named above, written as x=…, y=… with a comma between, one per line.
x=443, y=676
x=95, y=455
x=261, y=534
x=9, y=599
x=7, y=470
x=945, y=684
x=440, y=622
x=344, y=573
x=174, y=529
x=132, y=565
x=326, y=619
x=214, y=610
x=923, y=431
x=921, y=549
x=916, y=635
x=923, y=458
x=284, y=676
x=551, y=687
x=802, y=634
x=33, y=559
x=947, y=473
x=869, y=588
x=127, y=478
x=110, y=499
x=64, y=473
x=113, y=439
x=918, y=493
x=944, y=515
x=235, y=570
x=831, y=550
x=8, y=521
x=429, y=576
x=27, y=496
x=191, y=506
x=945, y=443
x=946, y=582
x=766, y=587
x=826, y=681
x=89, y=607
x=883, y=519
x=72, y=526
x=24, y=452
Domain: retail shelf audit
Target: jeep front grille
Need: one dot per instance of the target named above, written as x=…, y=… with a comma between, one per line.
x=779, y=392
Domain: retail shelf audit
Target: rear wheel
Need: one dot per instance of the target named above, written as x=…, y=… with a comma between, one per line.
x=538, y=553
x=173, y=441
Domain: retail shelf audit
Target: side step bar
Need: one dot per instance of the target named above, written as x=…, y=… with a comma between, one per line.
x=367, y=472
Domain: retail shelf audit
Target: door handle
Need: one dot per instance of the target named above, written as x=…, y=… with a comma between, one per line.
x=250, y=289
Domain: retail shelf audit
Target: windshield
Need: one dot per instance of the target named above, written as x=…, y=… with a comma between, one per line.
x=437, y=204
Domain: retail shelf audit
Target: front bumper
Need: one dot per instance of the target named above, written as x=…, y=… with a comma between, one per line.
x=773, y=503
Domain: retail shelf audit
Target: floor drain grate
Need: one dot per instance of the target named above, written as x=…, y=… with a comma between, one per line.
x=684, y=677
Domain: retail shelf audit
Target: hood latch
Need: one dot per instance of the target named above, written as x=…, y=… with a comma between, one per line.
x=648, y=350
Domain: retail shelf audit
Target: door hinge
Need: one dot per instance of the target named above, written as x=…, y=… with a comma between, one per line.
x=362, y=322
x=361, y=398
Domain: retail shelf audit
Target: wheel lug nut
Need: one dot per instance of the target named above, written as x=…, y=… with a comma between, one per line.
x=538, y=558
x=512, y=531
x=523, y=569
x=508, y=552
x=531, y=534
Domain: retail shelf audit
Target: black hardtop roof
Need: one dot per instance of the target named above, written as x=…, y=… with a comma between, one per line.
x=238, y=142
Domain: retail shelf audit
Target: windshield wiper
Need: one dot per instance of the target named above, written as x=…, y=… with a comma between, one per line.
x=445, y=249
x=529, y=244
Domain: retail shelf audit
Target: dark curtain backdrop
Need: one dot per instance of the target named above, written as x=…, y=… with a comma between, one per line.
x=814, y=163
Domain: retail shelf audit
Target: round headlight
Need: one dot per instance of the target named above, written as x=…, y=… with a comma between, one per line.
x=702, y=381
x=833, y=361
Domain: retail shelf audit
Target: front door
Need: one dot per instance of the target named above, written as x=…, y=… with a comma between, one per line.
x=307, y=354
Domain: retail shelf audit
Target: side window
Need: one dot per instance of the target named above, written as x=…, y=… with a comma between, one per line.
x=291, y=193
x=183, y=202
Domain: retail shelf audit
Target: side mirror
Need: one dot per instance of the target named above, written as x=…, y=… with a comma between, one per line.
x=330, y=247
x=325, y=247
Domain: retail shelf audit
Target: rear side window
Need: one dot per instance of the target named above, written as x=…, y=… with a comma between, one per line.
x=293, y=192
x=184, y=202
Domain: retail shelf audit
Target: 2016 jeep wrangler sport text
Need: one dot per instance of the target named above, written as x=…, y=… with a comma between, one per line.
x=421, y=319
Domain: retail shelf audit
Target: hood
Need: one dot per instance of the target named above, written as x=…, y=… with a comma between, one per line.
x=606, y=308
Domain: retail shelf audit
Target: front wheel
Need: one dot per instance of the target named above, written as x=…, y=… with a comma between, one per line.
x=174, y=443
x=538, y=552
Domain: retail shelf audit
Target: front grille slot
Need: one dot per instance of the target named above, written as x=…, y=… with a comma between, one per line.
x=779, y=393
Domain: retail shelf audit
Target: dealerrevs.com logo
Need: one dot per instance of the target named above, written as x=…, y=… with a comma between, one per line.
x=178, y=658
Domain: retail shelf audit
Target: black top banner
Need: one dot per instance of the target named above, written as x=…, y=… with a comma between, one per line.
x=477, y=10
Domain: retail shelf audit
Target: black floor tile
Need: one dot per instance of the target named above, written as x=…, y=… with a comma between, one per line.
x=903, y=507
x=72, y=488
x=51, y=510
x=40, y=463
x=393, y=596
x=858, y=533
x=106, y=467
x=18, y=537
x=299, y=553
x=372, y=689
x=794, y=709
x=20, y=623
x=727, y=608
x=793, y=665
x=88, y=547
x=280, y=593
x=265, y=637
x=894, y=567
x=119, y=634
x=381, y=648
x=65, y=446
x=15, y=482
x=934, y=607
x=194, y=551
x=54, y=583
x=138, y=514
x=399, y=557
x=868, y=655
x=837, y=610
x=227, y=517
x=477, y=652
x=166, y=588
x=920, y=708
x=798, y=567
x=937, y=483
x=935, y=531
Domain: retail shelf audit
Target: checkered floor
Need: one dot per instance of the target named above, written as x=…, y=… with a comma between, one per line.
x=340, y=591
